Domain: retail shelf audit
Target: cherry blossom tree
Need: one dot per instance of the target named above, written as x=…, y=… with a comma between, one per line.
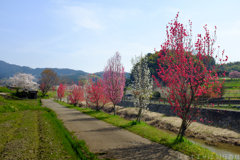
x=114, y=80
x=24, y=80
x=186, y=74
x=94, y=94
x=61, y=91
x=142, y=84
x=234, y=74
x=76, y=94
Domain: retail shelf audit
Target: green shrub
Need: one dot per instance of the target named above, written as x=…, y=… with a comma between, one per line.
x=156, y=94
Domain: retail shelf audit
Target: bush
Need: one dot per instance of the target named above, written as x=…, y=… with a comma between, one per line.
x=157, y=94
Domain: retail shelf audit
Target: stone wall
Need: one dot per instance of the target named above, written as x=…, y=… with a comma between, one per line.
x=219, y=118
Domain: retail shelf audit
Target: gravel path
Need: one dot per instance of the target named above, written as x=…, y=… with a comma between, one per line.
x=110, y=141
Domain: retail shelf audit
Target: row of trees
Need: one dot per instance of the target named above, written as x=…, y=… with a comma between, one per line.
x=187, y=69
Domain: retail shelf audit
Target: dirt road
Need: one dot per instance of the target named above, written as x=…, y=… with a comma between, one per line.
x=110, y=141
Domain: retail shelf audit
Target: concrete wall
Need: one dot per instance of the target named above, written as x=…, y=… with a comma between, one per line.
x=220, y=118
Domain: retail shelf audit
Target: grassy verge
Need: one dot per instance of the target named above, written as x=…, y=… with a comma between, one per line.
x=29, y=131
x=150, y=133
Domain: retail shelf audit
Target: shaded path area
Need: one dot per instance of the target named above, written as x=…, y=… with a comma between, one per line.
x=110, y=141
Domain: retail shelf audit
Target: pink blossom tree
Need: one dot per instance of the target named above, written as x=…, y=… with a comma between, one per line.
x=61, y=91
x=234, y=74
x=114, y=80
x=186, y=75
x=53, y=88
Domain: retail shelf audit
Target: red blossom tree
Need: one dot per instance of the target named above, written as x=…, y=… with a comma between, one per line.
x=186, y=74
x=53, y=88
x=94, y=94
x=114, y=80
x=76, y=94
x=61, y=91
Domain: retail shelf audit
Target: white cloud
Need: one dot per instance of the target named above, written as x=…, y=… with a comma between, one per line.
x=83, y=17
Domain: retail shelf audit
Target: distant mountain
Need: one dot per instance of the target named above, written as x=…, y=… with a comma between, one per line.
x=8, y=70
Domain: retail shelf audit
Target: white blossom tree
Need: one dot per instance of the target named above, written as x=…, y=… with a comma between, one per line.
x=24, y=80
x=142, y=84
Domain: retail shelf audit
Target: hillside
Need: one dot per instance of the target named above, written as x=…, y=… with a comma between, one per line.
x=69, y=75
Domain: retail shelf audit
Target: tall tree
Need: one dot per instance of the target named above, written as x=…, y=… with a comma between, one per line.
x=114, y=79
x=48, y=78
x=142, y=84
x=185, y=76
x=23, y=80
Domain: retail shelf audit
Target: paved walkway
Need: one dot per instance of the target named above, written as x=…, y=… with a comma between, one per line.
x=111, y=141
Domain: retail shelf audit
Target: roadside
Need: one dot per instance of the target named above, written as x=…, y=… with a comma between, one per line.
x=107, y=140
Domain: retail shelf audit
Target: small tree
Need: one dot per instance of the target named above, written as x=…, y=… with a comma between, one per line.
x=94, y=94
x=234, y=74
x=142, y=84
x=49, y=78
x=76, y=94
x=61, y=91
x=53, y=88
x=41, y=87
x=114, y=80
x=185, y=73
x=24, y=81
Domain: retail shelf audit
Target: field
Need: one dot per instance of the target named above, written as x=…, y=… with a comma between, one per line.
x=30, y=131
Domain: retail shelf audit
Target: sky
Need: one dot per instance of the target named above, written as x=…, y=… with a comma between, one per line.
x=84, y=34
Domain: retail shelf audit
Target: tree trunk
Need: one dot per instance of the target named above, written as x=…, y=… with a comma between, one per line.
x=139, y=115
x=114, y=110
x=182, y=129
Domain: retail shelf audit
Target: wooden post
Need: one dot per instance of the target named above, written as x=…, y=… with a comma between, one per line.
x=218, y=102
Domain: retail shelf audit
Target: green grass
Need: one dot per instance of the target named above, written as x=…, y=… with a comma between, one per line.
x=28, y=130
x=148, y=132
x=6, y=90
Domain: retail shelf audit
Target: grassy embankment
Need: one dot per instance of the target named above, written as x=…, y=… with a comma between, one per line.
x=150, y=133
x=29, y=131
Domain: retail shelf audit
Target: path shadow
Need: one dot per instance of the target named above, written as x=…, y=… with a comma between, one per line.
x=109, y=129
x=152, y=151
x=82, y=119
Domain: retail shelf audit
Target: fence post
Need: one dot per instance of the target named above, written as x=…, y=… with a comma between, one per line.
x=164, y=100
x=218, y=102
